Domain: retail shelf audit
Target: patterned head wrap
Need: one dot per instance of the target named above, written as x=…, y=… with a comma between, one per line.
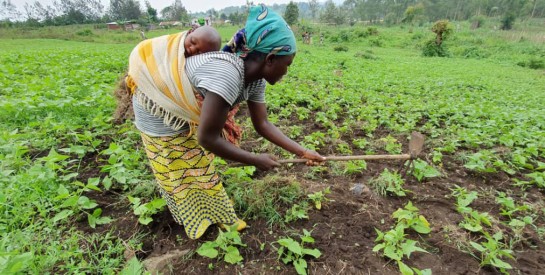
x=265, y=32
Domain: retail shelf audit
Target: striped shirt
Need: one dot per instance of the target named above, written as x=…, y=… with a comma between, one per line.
x=218, y=72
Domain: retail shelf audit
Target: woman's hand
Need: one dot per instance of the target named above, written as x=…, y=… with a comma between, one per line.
x=313, y=157
x=266, y=162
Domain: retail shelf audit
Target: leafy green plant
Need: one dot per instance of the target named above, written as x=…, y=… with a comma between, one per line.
x=296, y=212
x=291, y=251
x=318, y=197
x=355, y=166
x=391, y=145
x=409, y=218
x=388, y=183
x=395, y=246
x=394, y=243
x=144, y=211
x=76, y=202
x=422, y=170
x=225, y=246
x=492, y=250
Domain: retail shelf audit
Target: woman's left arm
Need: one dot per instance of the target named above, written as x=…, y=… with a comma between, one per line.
x=258, y=113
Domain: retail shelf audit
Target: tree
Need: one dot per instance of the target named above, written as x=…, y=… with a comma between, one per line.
x=175, y=12
x=413, y=13
x=151, y=12
x=124, y=9
x=8, y=11
x=313, y=5
x=331, y=14
x=292, y=13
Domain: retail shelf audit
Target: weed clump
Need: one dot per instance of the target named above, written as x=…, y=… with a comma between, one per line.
x=340, y=48
x=533, y=63
x=266, y=198
x=442, y=30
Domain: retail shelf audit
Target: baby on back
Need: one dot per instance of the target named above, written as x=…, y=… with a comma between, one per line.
x=200, y=40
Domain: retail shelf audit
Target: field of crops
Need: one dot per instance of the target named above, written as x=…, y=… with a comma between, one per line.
x=78, y=196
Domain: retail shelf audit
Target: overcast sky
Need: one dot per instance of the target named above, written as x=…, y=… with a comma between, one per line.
x=190, y=5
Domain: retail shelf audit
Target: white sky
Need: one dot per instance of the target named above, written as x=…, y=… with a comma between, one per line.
x=191, y=5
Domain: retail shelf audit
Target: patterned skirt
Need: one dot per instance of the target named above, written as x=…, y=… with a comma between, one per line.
x=188, y=181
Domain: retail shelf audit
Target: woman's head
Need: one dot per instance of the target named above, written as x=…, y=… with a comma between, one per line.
x=267, y=41
x=266, y=32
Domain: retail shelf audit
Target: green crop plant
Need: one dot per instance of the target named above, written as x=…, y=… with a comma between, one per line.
x=225, y=246
x=391, y=145
x=409, y=218
x=394, y=243
x=318, y=197
x=296, y=212
x=492, y=250
x=422, y=170
x=395, y=246
x=354, y=167
x=508, y=206
x=388, y=183
x=144, y=211
x=291, y=251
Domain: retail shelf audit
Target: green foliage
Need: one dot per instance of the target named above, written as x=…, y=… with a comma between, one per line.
x=318, y=197
x=388, y=183
x=225, y=246
x=144, y=211
x=291, y=251
x=422, y=170
x=133, y=267
x=492, y=250
x=431, y=49
x=394, y=243
x=265, y=199
x=296, y=212
x=508, y=20
x=291, y=14
x=340, y=48
x=355, y=167
x=409, y=218
x=533, y=63
x=391, y=145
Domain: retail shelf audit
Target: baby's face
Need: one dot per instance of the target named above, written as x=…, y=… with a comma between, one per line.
x=195, y=44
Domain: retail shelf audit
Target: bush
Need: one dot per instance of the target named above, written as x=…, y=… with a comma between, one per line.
x=365, y=55
x=533, y=63
x=474, y=52
x=340, y=48
x=376, y=42
x=432, y=49
x=477, y=22
x=507, y=21
x=86, y=32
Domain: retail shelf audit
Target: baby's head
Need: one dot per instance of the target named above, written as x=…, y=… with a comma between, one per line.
x=202, y=40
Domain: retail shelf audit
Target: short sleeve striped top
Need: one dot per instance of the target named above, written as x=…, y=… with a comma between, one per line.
x=218, y=72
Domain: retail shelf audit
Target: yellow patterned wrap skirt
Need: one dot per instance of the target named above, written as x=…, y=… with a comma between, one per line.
x=188, y=181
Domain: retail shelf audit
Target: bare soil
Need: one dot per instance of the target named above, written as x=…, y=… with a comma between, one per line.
x=344, y=229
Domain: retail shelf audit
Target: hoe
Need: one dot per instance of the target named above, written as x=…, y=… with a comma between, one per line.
x=415, y=147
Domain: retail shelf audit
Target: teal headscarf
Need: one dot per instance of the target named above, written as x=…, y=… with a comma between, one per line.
x=266, y=32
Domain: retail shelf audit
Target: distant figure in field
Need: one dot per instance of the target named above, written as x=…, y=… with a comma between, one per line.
x=142, y=35
x=195, y=41
x=321, y=39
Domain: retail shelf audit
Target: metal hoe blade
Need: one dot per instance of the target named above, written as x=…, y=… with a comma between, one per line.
x=416, y=144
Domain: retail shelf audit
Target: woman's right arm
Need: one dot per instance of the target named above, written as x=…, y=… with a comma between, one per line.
x=213, y=116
